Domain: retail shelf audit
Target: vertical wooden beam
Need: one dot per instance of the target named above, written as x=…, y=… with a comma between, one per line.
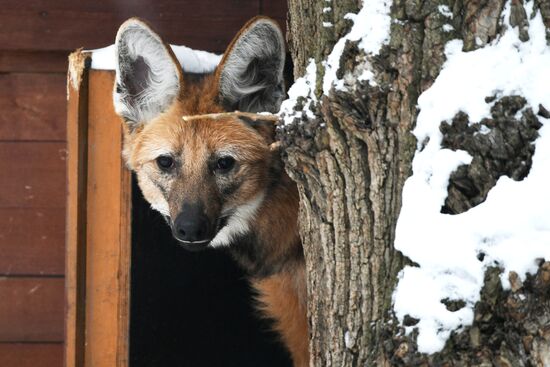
x=75, y=273
x=99, y=224
x=108, y=235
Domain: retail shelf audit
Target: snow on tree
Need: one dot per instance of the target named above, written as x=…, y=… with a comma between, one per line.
x=418, y=134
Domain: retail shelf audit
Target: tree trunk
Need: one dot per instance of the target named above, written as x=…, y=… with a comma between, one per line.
x=350, y=163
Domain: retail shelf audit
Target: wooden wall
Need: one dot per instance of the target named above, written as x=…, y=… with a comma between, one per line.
x=35, y=39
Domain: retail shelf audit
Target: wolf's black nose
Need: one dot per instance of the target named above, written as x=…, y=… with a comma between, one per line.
x=191, y=225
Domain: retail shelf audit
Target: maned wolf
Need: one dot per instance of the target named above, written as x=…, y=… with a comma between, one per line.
x=217, y=178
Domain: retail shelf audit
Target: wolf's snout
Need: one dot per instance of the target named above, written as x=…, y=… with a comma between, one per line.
x=191, y=225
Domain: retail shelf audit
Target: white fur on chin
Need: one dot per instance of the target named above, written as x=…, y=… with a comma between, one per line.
x=238, y=223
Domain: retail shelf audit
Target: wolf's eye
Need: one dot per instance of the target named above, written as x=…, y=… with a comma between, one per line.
x=224, y=164
x=165, y=162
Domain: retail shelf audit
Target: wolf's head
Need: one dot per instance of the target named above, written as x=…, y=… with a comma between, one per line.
x=207, y=174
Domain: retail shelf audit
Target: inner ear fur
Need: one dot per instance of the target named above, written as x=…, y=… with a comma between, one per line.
x=250, y=75
x=148, y=75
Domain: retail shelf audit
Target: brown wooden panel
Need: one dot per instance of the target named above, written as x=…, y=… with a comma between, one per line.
x=33, y=106
x=31, y=355
x=31, y=309
x=32, y=175
x=108, y=231
x=32, y=241
x=157, y=7
x=276, y=9
x=62, y=25
x=33, y=61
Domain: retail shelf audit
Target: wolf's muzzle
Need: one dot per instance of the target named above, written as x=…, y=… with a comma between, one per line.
x=192, y=227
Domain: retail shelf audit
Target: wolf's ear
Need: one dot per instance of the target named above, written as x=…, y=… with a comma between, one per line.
x=264, y=127
x=250, y=75
x=148, y=77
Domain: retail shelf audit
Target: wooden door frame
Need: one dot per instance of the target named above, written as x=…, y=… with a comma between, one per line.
x=98, y=240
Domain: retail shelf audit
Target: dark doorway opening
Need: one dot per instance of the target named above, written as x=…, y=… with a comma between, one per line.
x=191, y=309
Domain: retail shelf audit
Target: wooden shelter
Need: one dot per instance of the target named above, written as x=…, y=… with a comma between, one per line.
x=35, y=40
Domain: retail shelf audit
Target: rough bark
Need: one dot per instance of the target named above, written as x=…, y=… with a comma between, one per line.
x=511, y=328
x=306, y=17
x=350, y=163
x=506, y=149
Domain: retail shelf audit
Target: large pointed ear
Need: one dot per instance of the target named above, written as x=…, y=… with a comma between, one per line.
x=250, y=75
x=148, y=76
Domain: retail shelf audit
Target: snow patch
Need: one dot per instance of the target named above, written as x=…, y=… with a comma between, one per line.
x=192, y=61
x=304, y=89
x=371, y=27
x=446, y=246
x=484, y=130
x=348, y=340
x=479, y=42
x=445, y=11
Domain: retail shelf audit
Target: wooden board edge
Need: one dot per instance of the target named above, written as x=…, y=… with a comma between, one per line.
x=123, y=347
x=75, y=260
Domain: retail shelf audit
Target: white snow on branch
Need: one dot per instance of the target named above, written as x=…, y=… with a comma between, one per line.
x=371, y=26
x=304, y=89
x=512, y=227
x=445, y=11
x=192, y=61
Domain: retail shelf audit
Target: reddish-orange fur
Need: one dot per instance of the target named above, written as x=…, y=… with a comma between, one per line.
x=282, y=294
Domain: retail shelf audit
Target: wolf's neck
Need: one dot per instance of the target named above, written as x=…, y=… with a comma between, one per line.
x=272, y=245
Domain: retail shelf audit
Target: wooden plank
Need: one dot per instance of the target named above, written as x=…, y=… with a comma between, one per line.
x=275, y=9
x=124, y=266
x=33, y=106
x=77, y=145
x=31, y=355
x=32, y=241
x=31, y=309
x=108, y=237
x=194, y=7
x=62, y=25
x=33, y=175
x=33, y=61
